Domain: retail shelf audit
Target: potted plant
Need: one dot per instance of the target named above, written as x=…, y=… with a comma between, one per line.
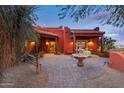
x=59, y=51
x=41, y=53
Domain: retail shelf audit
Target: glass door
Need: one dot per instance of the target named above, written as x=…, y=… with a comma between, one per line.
x=52, y=47
x=80, y=45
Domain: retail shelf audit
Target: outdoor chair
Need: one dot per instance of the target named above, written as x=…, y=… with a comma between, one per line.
x=30, y=59
x=87, y=52
x=80, y=50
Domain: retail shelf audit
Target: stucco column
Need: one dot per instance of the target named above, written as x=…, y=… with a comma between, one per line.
x=64, y=41
x=56, y=44
x=74, y=42
x=102, y=43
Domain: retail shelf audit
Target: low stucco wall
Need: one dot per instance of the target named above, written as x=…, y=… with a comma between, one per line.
x=116, y=60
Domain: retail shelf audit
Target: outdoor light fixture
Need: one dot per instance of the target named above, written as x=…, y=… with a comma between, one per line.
x=90, y=42
x=47, y=43
x=71, y=43
x=31, y=46
x=32, y=43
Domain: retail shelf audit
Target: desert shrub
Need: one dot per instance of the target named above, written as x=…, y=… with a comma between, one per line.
x=59, y=51
x=104, y=54
x=101, y=54
x=41, y=53
x=121, y=49
x=28, y=58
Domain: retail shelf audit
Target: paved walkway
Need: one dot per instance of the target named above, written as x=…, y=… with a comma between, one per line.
x=64, y=72
x=111, y=79
x=61, y=71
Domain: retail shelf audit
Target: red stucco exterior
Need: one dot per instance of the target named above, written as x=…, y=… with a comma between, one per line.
x=116, y=60
x=66, y=38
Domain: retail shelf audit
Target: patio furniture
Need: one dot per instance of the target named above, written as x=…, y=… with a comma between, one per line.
x=80, y=57
x=81, y=50
x=87, y=52
x=30, y=59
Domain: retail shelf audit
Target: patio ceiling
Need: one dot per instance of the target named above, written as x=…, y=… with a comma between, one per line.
x=88, y=33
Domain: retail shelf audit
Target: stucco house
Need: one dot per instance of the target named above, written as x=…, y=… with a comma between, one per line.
x=69, y=40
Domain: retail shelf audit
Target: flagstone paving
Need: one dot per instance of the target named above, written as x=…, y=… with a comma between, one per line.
x=61, y=71
x=64, y=72
x=111, y=79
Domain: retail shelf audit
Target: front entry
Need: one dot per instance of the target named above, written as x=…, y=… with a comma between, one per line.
x=80, y=44
x=51, y=47
x=48, y=45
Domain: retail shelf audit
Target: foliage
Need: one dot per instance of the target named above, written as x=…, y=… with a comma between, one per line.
x=102, y=54
x=79, y=12
x=1, y=75
x=41, y=53
x=109, y=43
x=28, y=58
x=59, y=51
x=15, y=29
x=121, y=49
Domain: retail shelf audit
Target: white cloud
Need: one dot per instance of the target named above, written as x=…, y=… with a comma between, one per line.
x=112, y=35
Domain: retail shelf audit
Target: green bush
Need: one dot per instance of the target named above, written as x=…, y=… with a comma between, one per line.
x=59, y=51
x=41, y=53
x=121, y=49
x=104, y=54
x=101, y=54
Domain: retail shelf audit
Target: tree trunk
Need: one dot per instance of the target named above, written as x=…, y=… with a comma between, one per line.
x=7, y=52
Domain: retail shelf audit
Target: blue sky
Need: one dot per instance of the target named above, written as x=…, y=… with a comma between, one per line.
x=48, y=18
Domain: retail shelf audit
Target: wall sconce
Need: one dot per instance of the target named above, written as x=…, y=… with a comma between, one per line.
x=32, y=43
x=90, y=42
x=71, y=43
x=47, y=43
x=32, y=46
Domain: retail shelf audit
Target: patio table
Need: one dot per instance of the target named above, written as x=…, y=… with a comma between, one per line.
x=80, y=58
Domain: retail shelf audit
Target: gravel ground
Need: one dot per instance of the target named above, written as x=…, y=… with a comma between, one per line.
x=23, y=75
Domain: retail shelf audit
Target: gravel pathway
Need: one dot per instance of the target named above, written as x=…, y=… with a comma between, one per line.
x=23, y=75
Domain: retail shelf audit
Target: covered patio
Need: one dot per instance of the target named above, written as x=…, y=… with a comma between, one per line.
x=48, y=42
x=91, y=39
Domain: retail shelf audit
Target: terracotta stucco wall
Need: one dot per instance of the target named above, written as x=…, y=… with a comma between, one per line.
x=68, y=41
x=95, y=45
x=65, y=41
x=59, y=33
x=116, y=60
